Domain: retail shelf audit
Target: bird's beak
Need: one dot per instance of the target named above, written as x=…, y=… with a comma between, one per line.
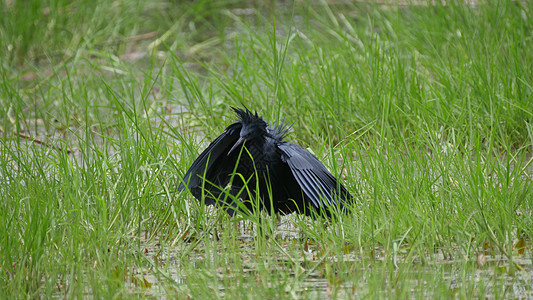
x=239, y=142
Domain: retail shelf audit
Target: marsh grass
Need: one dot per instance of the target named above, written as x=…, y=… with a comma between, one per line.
x=423, y=111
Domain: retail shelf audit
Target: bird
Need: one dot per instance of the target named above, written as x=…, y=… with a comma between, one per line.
x=250, y=166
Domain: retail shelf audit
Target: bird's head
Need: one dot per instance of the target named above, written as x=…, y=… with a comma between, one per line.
x=253, y=126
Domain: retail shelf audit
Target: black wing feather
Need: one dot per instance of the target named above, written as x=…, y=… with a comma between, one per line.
x=211, y=154
x=317, y=183
x=307, y=187
x=324, y=187
x=317, y=188
x=328, y=180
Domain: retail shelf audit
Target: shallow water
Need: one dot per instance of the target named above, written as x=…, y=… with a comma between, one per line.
x=354, y=275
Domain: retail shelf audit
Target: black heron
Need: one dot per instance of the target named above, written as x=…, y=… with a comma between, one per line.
x=251, y=162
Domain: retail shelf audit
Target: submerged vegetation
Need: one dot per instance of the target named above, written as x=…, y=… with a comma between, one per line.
x=423, y=110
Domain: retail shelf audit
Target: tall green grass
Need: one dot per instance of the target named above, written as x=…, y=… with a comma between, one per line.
x=423, y=111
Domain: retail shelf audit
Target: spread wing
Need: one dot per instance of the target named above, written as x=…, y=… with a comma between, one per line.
x=318, y=184
x=219, y=147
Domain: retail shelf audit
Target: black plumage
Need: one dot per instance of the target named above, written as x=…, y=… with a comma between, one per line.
x=251, y=162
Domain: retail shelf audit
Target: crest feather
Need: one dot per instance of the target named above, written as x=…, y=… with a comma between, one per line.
x=246, y=116
x=280, y=129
